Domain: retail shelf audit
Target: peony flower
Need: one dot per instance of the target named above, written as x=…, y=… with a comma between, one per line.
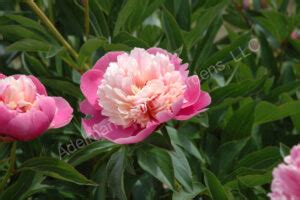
x=26, y=111
x=128, y=95
x=286, y=178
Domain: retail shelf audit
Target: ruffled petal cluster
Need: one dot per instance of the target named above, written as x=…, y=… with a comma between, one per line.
x=128, y=95
x=286, y=178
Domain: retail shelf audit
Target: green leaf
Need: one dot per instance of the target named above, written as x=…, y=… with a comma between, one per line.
x=100, y=176
x=34, y=65
x=240, y=124
x=20, y=32
x=173, y=32
x=185, y=143
x=124, y=14
x=22, y=186
x=55, y=168
x=160, y=141
x=286, y=88
x=126, y=38
x=198, y=188
x=204, y=20
x=251, y=180
x=261, y=159
x=90, y=151
x=29, y=45
x=183, y=16
x=27, y=22
x=206, y=45
x=182, y=170
x=230, y=52
x=226, y=156
x=158, y=163
x=62, y=86
x=266, y=112
x=233, y=90
x=216, y=190
x=88, y=48
x=284, y=150
x=247, y=191
x=115, y=173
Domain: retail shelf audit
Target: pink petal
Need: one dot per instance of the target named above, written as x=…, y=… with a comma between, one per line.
x=27, y=126
x=39, y=86
x=174, y=59
x=189, y=112
x=104, y=61
x=155, y=50
x=63, y=114
x=89, y=126
x=192, y=92
x=47, y=106
x=99, y=127
x=5, y=116
x=165, y=115
x=133, y=134
x=87, y=108
x=2, y=76
x=89, y=85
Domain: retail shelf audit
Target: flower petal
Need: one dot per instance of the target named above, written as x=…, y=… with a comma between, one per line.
x=155, y=50
x=89, y=126
x=5, y=116
x=104, y=61
x=173, y=58
x=130, y=135
x=192, y=92
x=47, y=106
x=87, y=108
x=39, y=86
x=89, y=85
x=189, y=112
x=100, y=127
x=2, y=76
x=63, y=114
x=166, y=115
x=27, y=126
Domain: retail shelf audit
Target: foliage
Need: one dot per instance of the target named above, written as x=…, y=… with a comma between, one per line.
x=244, y=56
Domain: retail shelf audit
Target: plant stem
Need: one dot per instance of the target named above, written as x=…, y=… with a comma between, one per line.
x=11, y=166
x=51, y=27
x=86, y=18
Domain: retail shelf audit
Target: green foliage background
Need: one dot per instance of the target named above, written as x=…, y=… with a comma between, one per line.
x=226, y=153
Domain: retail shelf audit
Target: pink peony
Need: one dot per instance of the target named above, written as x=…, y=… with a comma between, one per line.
x=286, y=178
x=26, y=111
x=129, y=95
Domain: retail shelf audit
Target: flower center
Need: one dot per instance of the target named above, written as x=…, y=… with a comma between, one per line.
x=17, y=94
x=138, y=86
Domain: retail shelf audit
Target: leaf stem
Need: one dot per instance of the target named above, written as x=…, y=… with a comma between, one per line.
x=51, y=27
x=86, y=18
x=11, y=166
